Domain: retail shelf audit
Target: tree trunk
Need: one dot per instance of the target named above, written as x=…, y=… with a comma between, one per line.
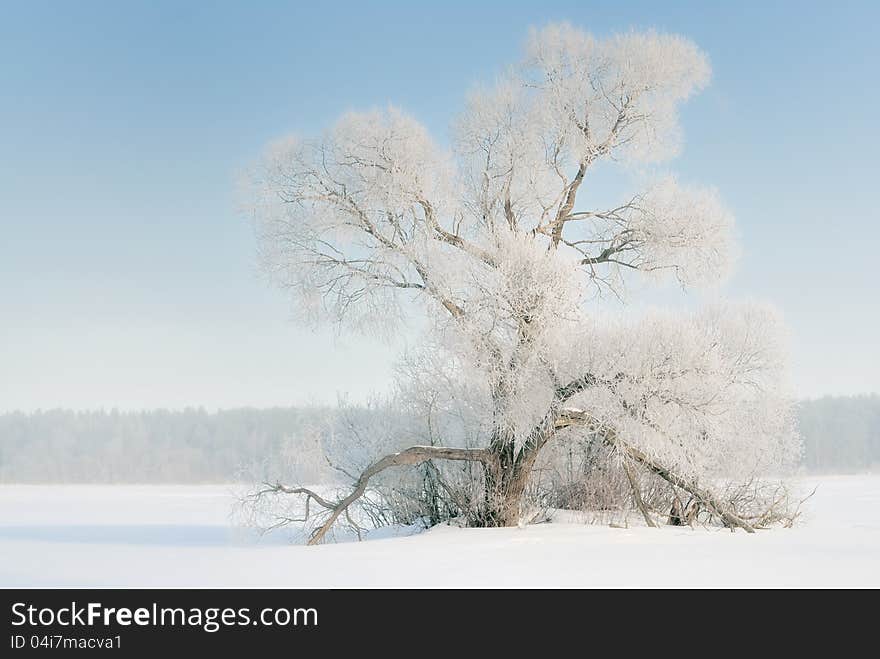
x=510, y=508
x=505, y=492
x=503, y=498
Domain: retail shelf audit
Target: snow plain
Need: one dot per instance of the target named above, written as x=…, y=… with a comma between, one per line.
x=184, y=536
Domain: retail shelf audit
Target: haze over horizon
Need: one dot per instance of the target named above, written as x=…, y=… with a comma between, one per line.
x=128, y=275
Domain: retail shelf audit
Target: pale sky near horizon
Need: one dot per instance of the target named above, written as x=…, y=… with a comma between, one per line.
x=128, y=277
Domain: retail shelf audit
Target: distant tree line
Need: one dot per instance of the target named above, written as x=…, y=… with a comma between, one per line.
x=162, y=446
x=840, y=434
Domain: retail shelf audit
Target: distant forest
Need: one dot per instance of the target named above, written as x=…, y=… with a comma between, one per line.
x=841, y=435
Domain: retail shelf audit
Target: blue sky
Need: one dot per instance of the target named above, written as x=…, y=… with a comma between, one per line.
x=128, y=278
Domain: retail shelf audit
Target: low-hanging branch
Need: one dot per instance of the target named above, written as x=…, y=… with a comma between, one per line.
x=575, y=417
x=566, y=418
x=414, y=455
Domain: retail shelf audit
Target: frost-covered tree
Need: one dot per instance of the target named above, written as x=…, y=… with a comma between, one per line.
x=495, y=243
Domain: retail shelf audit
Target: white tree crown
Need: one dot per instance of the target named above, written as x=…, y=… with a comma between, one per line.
x=494, y=237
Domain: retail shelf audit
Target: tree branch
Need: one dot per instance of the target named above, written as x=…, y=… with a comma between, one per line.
x=453, y=238
x=414, y=455
x=637, y=495
x=572, y=417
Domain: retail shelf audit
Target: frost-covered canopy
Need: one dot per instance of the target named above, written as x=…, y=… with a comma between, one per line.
x=495, y=239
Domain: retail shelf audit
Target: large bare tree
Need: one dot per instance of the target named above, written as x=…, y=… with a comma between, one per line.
x=496, y=243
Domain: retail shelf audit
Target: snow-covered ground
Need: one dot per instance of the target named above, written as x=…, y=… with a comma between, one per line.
x=183, y=536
